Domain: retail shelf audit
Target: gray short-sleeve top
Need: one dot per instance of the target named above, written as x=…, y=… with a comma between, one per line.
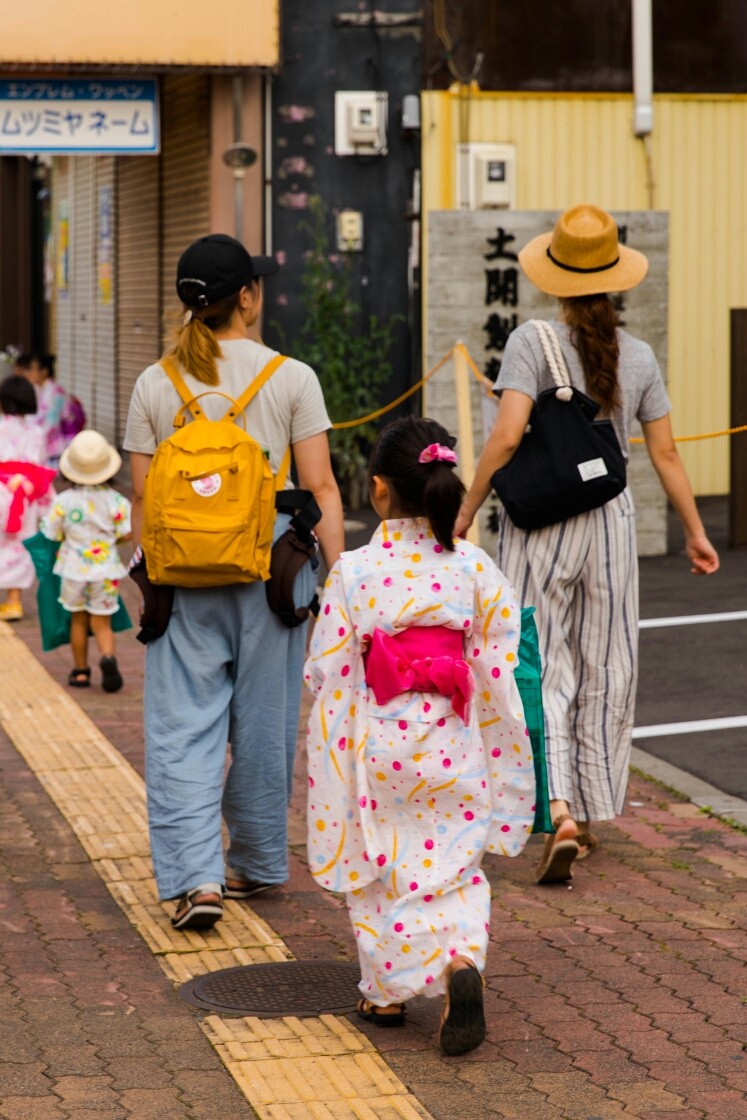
x=642, y=390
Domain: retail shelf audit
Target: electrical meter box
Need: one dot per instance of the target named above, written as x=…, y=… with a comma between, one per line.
x=486, y=176
x=349, y=231
x=360, y=122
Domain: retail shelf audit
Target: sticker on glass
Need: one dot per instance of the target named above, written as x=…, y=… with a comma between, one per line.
x=592, y=468
x=206, y=487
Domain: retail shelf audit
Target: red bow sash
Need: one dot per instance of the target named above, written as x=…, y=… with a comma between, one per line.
x=27, y=482
x=420, y=659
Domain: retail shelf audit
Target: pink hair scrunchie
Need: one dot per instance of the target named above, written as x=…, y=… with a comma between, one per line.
x=437, y=453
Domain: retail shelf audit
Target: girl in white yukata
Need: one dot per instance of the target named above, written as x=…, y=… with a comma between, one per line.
x=419, y=756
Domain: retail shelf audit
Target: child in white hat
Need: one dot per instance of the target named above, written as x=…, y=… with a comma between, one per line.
x=90, y=518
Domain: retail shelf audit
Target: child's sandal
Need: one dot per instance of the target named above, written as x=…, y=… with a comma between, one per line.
x=79, y=678
x=373, y=1014
x=463, y=1022
x=111, y=678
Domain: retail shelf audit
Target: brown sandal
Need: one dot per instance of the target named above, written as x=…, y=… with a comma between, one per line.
x=558, y=856
x=586, y=844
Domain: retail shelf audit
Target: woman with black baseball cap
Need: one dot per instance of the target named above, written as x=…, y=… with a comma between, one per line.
x=226, y=667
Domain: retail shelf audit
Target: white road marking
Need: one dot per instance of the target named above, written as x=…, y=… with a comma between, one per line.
x=656, y=729
x=690, y=619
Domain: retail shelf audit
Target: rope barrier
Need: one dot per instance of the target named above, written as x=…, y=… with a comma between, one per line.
x=705, y=435
x=488, y=386
x=414, y=388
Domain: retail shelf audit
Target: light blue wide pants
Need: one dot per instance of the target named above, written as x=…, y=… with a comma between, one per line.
x=225, y=670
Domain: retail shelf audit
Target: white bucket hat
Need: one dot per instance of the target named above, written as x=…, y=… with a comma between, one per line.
x=89, y=460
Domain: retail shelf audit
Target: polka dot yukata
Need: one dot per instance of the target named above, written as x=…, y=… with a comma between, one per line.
x=404, y=798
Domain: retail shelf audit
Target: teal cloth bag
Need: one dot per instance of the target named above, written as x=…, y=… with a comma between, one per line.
x=54, y=620
x=529, y=680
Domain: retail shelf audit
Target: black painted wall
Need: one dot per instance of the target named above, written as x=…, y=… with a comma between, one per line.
x=317, y=59
x=567, y=45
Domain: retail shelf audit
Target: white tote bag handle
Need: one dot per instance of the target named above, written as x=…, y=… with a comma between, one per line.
x=555, y=359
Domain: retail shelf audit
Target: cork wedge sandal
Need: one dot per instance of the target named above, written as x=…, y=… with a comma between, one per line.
x=561, y=851
x=587, y=843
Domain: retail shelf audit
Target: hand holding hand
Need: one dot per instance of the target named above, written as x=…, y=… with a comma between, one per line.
x=703, y=556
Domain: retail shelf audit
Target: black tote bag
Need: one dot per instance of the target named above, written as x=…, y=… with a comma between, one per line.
x=567, y=462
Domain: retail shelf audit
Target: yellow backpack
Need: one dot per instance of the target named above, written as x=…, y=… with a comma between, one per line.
x=209, y=504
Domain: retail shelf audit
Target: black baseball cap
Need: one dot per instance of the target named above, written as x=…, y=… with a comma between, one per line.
x=215, y=267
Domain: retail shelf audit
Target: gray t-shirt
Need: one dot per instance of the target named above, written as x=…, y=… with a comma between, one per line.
x=287, y=409
x=644, y=396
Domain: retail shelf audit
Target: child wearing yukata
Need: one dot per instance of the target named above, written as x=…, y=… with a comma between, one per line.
x=419, y=756
x=24, y=490
x=89, y=519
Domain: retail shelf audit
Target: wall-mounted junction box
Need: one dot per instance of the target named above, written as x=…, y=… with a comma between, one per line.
x=486, y=176
x=361, y=122
x=349, y=231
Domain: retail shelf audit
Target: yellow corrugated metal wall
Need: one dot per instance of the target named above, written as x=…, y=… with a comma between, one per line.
x=575, y=148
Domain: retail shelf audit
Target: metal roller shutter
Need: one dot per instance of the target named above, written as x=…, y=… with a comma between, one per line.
x=138, y=276
x=185, y=177
x=103, y=381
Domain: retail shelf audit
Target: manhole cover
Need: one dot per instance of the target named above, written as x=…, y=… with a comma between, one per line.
x=271, y=991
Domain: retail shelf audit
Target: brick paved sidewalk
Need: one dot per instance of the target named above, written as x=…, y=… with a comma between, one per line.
x=624, y=996
x=90, y=1026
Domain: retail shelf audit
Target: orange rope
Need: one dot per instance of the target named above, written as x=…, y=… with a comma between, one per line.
x=488, y=386
x=705, y=435
x=393, y=404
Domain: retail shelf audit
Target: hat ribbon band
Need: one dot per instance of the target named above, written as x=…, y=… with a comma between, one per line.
x=572, y=268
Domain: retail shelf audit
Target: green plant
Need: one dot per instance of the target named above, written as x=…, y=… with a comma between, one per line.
x=350, y=357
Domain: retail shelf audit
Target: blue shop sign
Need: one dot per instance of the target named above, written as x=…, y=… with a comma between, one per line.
x=79, y=116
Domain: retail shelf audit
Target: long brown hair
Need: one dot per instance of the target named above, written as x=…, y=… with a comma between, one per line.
x=593, y=323
x=194, y=344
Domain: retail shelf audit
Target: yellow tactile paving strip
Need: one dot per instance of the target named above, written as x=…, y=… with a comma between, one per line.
x=289, y=1069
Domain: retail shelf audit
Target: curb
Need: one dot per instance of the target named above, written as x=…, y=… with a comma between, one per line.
x=702, y=794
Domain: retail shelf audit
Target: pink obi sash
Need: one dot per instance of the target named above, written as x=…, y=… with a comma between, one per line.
x=421, y=659
x=27, y=482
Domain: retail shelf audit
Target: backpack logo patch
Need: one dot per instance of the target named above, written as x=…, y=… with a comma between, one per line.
x=206, y=487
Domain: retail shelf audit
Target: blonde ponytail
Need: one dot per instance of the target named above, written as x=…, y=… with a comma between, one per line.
x=194, y=344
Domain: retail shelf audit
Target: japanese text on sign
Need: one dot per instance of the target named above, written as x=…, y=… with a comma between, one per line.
x=104, y=117
x=502, y=287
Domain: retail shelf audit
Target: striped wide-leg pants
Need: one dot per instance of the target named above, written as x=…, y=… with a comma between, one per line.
x=582, y=576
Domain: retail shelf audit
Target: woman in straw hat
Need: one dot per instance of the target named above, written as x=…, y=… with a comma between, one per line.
x=582, y=573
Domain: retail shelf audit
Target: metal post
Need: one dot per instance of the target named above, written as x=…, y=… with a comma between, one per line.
x=738, y=467
x=268, y=165
x=466, y=448
x=237, y=89
x=643, y=85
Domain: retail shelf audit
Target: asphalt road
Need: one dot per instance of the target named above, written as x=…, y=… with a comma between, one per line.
x=686, y=672
x=700, y=671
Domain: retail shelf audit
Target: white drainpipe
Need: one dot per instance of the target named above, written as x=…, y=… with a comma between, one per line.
x=643, y=84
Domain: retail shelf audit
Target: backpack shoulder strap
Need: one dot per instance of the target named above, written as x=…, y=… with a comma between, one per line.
x=251, y=391
x=169, y=367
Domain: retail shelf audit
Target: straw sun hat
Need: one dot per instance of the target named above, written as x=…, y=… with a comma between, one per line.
x=89, y=460
x=582, y=256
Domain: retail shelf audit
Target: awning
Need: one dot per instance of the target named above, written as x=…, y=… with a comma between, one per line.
x=141, y=33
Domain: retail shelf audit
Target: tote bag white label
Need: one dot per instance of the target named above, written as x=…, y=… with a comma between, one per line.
x=592, y=468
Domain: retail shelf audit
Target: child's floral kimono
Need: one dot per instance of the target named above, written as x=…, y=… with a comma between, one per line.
x=404, y=797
